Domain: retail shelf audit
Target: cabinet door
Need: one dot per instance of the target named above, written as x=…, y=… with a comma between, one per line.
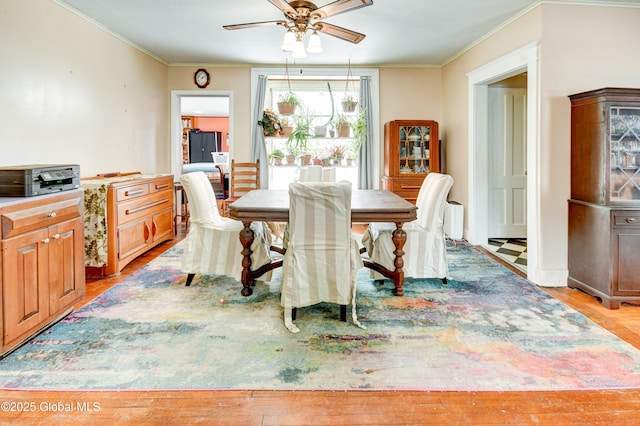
x=162, y=225
x=25, y=270
x=626, y=246
x=133, y=237
x=624, y=124
x=66, y=271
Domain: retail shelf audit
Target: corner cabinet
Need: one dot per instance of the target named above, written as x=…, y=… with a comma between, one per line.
x=411, y=151
x=604, y=209
x=42, y=263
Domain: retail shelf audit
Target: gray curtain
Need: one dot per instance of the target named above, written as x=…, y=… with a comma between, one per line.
x=366, y=180
x=258, y=146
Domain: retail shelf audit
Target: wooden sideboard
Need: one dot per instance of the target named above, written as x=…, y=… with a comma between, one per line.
x=125, y=216
x=42, y=267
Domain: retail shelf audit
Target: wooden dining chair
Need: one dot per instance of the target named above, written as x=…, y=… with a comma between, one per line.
x=244, y=177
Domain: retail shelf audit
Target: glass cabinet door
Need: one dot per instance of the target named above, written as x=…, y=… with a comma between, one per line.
x=625, y=153
x=414, y=149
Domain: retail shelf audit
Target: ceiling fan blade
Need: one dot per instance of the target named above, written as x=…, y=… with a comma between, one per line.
x=339, y=6
x=339, y=32
x=253, y=24
x=284, y=7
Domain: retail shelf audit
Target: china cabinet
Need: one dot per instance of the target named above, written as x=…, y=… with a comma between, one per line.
x=41, y=266
x=411, y=150
x=604, y=209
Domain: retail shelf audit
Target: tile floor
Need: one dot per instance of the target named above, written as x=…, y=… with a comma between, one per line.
x=513, y=250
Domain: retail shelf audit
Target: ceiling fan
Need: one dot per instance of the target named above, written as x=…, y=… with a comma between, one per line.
x=304, y=15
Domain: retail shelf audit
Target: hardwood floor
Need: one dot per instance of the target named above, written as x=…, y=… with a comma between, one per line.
x=592, y=407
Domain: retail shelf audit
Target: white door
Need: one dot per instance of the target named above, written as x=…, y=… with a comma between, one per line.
x=507, y=162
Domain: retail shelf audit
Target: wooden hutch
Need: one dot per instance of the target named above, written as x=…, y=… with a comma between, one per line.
x=604, y=209
x=411, y=150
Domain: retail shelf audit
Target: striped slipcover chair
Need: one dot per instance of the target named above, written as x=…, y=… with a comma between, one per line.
x=322, y=257
x=212, y=245
x=425, y=250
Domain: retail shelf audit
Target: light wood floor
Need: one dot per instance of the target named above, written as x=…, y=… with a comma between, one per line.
x=337, y=407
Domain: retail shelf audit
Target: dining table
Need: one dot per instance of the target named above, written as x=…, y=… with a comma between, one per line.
x=367, y=205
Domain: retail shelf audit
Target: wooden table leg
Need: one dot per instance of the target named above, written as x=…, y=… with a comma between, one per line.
x=246, y=239
x=399, y=238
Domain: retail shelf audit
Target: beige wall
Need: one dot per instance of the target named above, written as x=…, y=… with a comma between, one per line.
x=236, y=80
x=72, y=93
x=581, y=48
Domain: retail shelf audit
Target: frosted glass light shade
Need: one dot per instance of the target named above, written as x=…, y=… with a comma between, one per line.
x=289, y=42
x=314, y=46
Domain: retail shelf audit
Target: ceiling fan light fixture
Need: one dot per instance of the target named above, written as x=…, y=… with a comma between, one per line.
x=314, y=46
x=298, y=50
x=289, y=43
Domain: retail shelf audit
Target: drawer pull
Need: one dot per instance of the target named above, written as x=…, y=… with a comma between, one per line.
x=162, y=186
x=146, y=206
x=410, y=187
x=133, y=193
x=630, y=219
x=46, y=241
x=52, y=214
x=56, y=236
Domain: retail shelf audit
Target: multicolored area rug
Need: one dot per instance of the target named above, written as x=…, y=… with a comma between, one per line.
x=488, y=329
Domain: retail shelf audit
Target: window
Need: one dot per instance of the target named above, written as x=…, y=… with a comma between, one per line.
x=319, y=111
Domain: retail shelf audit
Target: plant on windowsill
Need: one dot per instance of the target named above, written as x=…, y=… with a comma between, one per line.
x=276, y=156
x=342, y=126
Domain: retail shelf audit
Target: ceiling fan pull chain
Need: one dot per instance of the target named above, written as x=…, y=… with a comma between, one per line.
x=286, y=73
x=346, y=88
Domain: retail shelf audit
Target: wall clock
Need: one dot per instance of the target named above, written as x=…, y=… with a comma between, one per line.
x=202, y=78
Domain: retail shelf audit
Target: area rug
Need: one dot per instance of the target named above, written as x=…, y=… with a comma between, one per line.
x=488, y=329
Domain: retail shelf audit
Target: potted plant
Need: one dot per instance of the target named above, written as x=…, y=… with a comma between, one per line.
x=337, y=153
x=270, y=123
x=359, y=127
x=342, y=126
x=349, y=103
x=276, y=156
x=286, y=127
x=287, y=103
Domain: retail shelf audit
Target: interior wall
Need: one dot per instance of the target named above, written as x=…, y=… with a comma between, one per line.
x=214, y=124
x=72, y=93
x=581, y=48
x=411, y=93
x=234, y=79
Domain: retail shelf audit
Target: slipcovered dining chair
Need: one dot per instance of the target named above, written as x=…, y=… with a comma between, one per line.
x=425, y=249
x=322, y=257
x=212, y=245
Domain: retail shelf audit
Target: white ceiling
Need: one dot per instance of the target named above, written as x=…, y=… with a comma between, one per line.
x=398, y=32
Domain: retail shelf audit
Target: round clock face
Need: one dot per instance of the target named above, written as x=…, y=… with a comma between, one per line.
x=201, y=78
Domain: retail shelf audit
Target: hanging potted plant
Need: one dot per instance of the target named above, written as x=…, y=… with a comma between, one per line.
x=359, y=127
x=288, y=103
x=349, y=102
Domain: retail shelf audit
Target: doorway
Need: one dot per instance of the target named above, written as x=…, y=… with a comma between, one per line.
x=207, y=103
x=523, y=60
